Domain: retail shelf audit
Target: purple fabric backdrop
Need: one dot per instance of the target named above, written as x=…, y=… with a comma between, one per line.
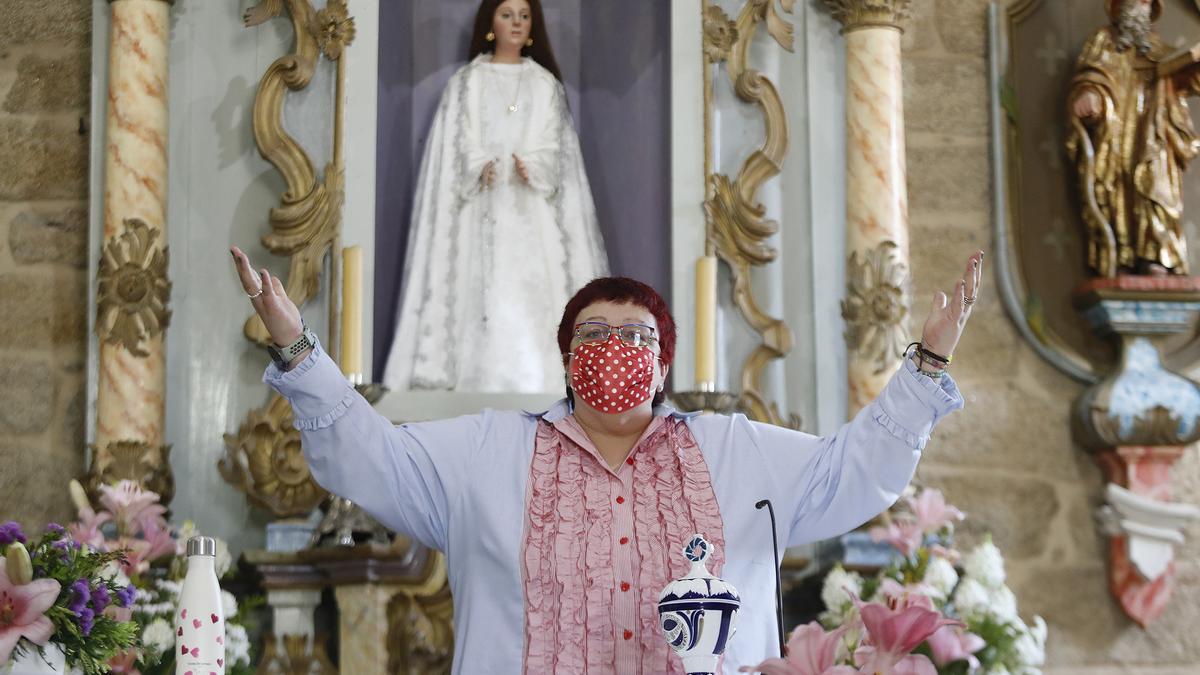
x=615, y=59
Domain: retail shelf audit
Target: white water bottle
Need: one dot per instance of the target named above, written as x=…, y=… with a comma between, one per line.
x=199, y=621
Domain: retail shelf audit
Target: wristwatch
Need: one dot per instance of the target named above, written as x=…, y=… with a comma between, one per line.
x=282, y=356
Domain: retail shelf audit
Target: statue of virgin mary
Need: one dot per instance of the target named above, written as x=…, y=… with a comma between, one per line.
x=504, y=228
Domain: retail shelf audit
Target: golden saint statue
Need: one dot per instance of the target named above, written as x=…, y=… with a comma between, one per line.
x=1131, y=139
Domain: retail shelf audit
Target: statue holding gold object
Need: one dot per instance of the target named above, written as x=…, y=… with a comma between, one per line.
x=1131, y=138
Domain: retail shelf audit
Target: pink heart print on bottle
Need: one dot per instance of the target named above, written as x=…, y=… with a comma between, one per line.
x=199, y=619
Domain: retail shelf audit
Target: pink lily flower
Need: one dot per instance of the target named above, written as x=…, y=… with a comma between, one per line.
x=919, y=594
x=904, y=536
x=130, y=504
x=893, y=632
x=23, y=612
x=86, y=530
x=158, y=534
x=932, y=511
x=811, y=651
x=952, y=643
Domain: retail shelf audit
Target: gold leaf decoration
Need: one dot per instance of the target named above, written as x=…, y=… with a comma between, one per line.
x=334, y=29
x=420, y=635
x=736, y=225
x=265, y=461
x=296, y=656
x=138, y=461
x=777, y=26
x=854, y=14
x=133, y=290
x=876, y=304
x=720, y=33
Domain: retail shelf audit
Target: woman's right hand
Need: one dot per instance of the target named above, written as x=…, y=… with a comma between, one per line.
x=277, y=311
x=488, y=175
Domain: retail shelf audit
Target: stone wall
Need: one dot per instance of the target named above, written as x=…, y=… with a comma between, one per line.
x=1008, y=459
x=45, y=68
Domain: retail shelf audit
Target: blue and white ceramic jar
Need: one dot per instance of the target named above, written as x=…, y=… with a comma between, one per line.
x=698, y=613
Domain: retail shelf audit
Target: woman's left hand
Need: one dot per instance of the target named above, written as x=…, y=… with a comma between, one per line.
x=522, y=171
x=948, y=316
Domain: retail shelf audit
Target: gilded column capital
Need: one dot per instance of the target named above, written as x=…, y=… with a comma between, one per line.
x=859, y=14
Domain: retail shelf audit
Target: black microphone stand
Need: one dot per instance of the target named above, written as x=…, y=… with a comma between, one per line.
x=778, y=585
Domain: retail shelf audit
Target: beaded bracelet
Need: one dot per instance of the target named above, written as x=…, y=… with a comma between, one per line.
x=933, y=359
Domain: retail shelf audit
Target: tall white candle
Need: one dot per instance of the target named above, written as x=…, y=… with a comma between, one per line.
x=706, y=322
x=352, y=311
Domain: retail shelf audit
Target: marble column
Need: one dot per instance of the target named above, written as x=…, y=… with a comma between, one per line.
x=877, y=301
x=133, y=290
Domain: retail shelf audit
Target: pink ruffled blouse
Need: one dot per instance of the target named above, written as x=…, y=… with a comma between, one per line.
x=556, y=560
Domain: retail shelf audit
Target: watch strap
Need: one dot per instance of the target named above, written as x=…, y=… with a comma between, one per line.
x=284, y=355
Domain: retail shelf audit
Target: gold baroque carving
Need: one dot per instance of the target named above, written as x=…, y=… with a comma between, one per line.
x=265, y=461
x=720, y=33
x=306, y=224
x=876, y=304
x=133, y=289
x=296, y=657
x=858, y=14
x=138, y=461
x=737, y=230
x=420, y=636
x=334, y=28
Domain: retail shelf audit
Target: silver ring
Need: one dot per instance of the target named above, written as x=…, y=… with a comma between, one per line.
x=260, y=290
x=966, y=301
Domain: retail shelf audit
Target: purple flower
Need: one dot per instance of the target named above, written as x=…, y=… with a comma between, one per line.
x=86, y=618
x=55, y=528
x=80, y=594
x=100, y=597
x=11, y=532
x=126, y=595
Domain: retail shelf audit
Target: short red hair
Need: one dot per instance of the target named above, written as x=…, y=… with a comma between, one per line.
x=622, y=290
x=625, y=291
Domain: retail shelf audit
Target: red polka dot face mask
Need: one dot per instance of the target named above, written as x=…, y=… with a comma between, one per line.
x=611, y=376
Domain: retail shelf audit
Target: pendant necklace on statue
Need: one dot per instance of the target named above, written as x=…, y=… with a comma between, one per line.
x=514, y=106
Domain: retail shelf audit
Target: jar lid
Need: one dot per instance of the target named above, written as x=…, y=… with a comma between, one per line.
x=202, y=546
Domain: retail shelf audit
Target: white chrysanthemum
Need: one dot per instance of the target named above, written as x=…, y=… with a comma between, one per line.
x=971, y=598
x=171, y=588
x=985, y=564
x=997, y=669
x=113, y=571
x=229, y=605
x=186, y=532
x=224, y=560
x=941, y=576
x=1003, y=604
x=1031, y=644
x=839, y=584
x=158, y=637
x=237, y=644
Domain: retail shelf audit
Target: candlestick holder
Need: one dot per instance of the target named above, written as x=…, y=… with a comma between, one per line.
x=372, y=391
x=345, y=524
x=720, y=402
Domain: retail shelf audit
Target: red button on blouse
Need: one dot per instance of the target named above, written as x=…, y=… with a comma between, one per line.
x=629, y=461
x=628, y=635
x=620, y=500
x=624, y=586
x=624, y=540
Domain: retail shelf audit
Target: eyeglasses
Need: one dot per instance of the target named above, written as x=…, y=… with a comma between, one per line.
x=632, y=334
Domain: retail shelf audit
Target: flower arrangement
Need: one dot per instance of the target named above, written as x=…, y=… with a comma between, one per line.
x=57, y=593
x=920, y=615
x=132, y=520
